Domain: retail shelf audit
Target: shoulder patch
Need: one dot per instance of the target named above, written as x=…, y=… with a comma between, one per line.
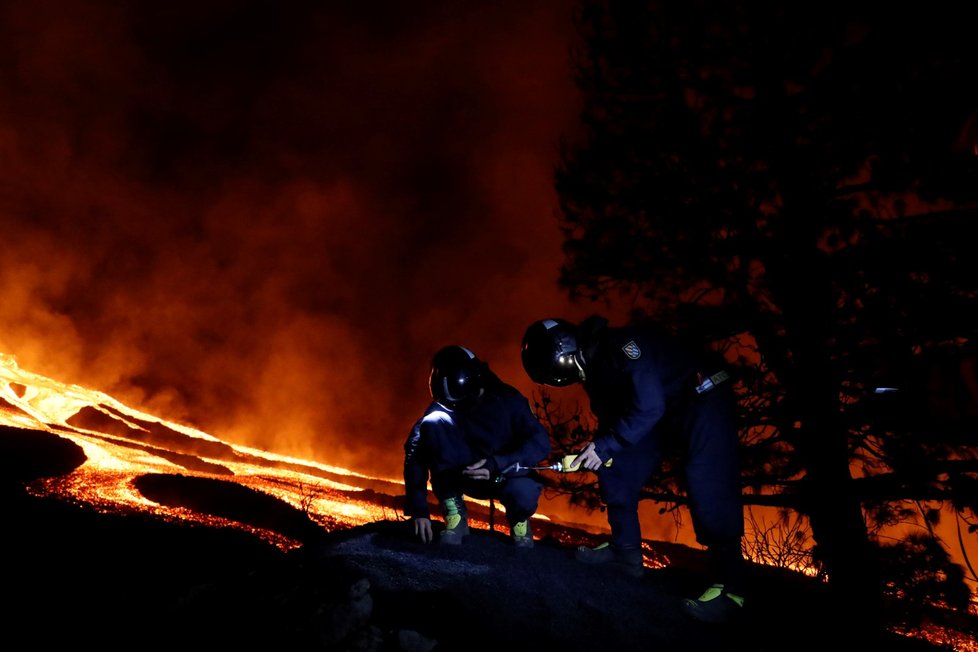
x=631, y=350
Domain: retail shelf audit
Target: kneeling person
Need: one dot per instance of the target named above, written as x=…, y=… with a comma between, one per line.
x=472, y=440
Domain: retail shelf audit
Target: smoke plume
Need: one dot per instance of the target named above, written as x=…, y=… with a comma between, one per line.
x=261, y=219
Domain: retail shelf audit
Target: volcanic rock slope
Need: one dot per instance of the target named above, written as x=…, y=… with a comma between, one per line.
x=81, y=578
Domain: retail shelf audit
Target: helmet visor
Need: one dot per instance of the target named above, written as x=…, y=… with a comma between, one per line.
x=549, y=350
x=457, y=377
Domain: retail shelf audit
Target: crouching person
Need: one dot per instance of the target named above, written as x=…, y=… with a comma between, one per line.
x=476, y=439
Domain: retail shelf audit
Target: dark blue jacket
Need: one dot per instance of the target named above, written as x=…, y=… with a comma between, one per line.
x=635, y=377
x=500, y=427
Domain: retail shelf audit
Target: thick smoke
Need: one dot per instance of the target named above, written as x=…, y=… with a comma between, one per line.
x=261, y=219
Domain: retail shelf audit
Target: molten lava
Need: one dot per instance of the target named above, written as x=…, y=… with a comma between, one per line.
x=125, y=449
x=122, y=444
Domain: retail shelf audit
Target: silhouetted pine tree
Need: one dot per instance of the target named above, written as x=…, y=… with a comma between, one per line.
x=797, y=184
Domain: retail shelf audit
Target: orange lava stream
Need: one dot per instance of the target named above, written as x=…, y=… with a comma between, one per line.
x=105, y=481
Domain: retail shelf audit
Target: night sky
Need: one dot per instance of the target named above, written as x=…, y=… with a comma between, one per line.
x=260, y=219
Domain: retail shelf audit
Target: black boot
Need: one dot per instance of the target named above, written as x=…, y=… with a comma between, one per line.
x=626, y=558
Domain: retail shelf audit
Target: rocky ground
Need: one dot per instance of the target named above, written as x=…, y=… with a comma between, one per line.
x=77, y=577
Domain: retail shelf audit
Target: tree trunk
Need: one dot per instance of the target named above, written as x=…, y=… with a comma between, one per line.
x=801, y=280
x=828, y=495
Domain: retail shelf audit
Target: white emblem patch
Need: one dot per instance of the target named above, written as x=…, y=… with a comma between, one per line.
x=632, y=351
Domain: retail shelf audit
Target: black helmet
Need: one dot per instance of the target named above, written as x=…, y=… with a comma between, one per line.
x=457, y=377
x=550, y=353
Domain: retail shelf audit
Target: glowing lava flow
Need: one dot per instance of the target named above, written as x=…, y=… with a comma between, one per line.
x=134, y=444
x=124, y=446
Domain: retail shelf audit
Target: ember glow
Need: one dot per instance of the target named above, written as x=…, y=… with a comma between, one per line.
x=199, y=193
x=123, y=444
x=105, y=480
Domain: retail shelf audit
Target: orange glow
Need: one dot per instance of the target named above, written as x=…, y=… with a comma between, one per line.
x=327, y=494
x=105, y=481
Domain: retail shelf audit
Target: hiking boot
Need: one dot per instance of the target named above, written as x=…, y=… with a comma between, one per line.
x=716, y=606
x=628, y=559
x=522, y=535
x=456, y=522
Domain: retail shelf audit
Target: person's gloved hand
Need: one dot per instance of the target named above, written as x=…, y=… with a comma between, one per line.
x=587, y=459
x=422, y=529
x=478, y=470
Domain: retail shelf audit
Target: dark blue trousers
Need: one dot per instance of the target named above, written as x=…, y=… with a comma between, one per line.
x=711, y=463
x=519, y=494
